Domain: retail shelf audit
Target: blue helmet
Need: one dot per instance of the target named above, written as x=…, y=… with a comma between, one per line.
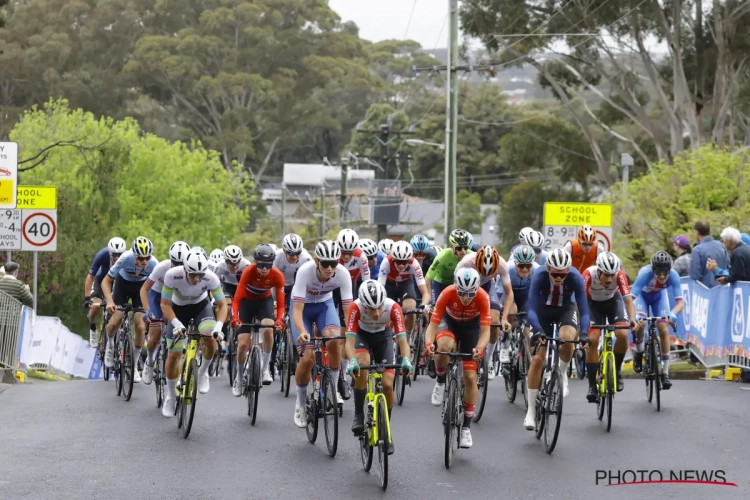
x=420, y=244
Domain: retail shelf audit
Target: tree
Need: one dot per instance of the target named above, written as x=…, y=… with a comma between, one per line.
x=469, y=213
x=3, y=3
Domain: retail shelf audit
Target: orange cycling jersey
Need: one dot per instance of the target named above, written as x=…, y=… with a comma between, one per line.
x=253, y=286
x=583, y=260
x=448, y=302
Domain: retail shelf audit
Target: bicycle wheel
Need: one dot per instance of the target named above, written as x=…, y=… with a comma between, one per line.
x=580, y=364
x=127, y=369
x=416, y=348
x=601, y=389
x=287, y=370
x=524, y=361
x=553, y=412
x=511, y=382
x=188, y=403
x=311, y=409
x=648, y=370
x=116, y=368
x=482, y=385
x=253, y=384
x=655, y=354
x=159, y=376
x=610, y=390
x=365, y=450
x=231, y=361
x=281, y=359
x=383, y=442
x=540, y=416
x=450, y=423
x=330, y=413
x=496, y=361
x=398, y=379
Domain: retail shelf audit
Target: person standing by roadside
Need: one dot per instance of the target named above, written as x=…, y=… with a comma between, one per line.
x=739, y=264
x=11, y=285
x=681, y=247
x=706, y=248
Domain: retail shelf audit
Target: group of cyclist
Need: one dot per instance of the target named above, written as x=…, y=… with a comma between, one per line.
x=359, y=288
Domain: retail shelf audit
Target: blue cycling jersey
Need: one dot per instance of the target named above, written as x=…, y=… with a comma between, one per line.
x=543, y=291
x=375, y=270
x=127, y=268
x=100, y=266
x=647, y=285
x=519, y=285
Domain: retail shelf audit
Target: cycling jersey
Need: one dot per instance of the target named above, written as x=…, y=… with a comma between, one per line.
x=375, y=270
x=470, y=261
x=519, y=285
x=429, y=258
x=597, y=292
x=646, y=284
x=254, y=287
x=308, y=289
x=389, y=272
x=178, y=290
x=230, y=278
x=127, y=268
x=450, y=304
x=392, y=317
x=544, y=292
x=100, y=266
x=357, y=265
x=583, y=260
x=288, y=269
x=444, y=266
x=156, y=278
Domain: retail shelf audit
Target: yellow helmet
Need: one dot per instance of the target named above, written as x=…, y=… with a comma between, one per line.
x=142, y=247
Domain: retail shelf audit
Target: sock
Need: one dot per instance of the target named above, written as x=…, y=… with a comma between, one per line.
x=266, y=358
x=301, y=396
x=533, y=393
x=204, y=367
x=441, y=375
x=504, y=344
x=665, y=364
x=150, y=356
x=591, y=369
x=335, y=376
x=136, y=356
x=619, y=358
x=110, y=340
x=390, y=411
x=490, y=350
x=468, y=414
x=359, y=401
x=564, y=368
x=640, y=346
x=171, y=391
x=344, y=365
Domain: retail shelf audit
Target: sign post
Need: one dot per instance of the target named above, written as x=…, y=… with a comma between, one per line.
x=562, y=220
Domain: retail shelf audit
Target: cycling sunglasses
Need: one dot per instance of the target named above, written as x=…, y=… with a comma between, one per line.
x=115, y=255
x=328, y=263
x=196, y=276
x=293, y=254
x=558, y=274
x=400, y=262
x=264, y=265
x=662, y=272
x=420, y=255
x=347, y=253
x=467, y=295
x=524, y=266
x=460, y=249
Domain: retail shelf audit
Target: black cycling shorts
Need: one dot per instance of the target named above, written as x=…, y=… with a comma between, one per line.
x=378, y=344
x=465, y=333
x=198, y=313
x=398, y=292
x=229, y=289
x=254, y=311
x=608, y=311
x=125, y=291
x=566, y=315
x=96, y=289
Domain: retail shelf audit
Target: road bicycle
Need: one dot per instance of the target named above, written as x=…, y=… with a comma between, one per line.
x=125, y=364
x=399, y=381
x=518, y=368
x=377, y=431
x=605, y=377
x=321, y=400
x=652, y=370
x=416, y=341
x=453, y=408
x=160, y=368
x=288, y=357
x=252, y=370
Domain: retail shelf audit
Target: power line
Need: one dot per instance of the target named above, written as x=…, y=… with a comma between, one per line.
x=408, y=24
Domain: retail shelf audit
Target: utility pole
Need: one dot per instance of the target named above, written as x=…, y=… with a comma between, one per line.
x=283, y=209
x=322, y=212
x=344, y=188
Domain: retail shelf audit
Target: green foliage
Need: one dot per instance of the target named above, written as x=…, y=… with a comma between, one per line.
x=112, y=179
x=469, y=213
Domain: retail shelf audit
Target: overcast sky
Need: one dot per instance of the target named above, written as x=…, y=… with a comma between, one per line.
x=384, y=19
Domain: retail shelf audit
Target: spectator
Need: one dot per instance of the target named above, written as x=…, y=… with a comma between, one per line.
x=13, y=287
x=739, y=263
x=681, y=246
x=745, y=238
x=706, y=248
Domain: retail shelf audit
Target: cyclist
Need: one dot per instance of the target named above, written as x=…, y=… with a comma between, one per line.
x=423, y=254
x=128, y=275
x=535, y=240
x=522, y=238
x=151, y=295
x=462, y=315
x=440, y=274
x=184, y=298
x=289, y=260
x=606, y=288
x=253, y=300
x=230, y=270
x=585, y=249
x=313, y=303
x=215, y=258
x=373, y=321
x=93, y=286
x=650, y=292
x=490, y=265
x=385, y=245
x=553, y=289
x=396, y=274
x=373, y=254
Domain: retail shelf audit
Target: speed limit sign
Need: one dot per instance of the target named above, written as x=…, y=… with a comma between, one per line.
x=39, y=230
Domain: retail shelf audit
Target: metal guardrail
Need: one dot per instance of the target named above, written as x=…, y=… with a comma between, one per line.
x=10, y=330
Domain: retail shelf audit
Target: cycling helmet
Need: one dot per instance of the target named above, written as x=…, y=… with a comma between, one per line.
x=437, y=249
x=386, y=245
x=466, y=280
x=327, y=250
x=460, y=238
x=535, y=239
x=524, y=254
x=487, y=261
x=608, y=263
x=369, y=247
x=196, y=262
x=559, y=260
x=420, y=244
x=347, y=240
x=292, y=243
x=661, y=260
x=233, y=254
x=274, y=248
x=402, y=251
x=372, y=294
x=523, y=232
x=178, y=251
x=586, y=234
x=264, y=252
x=116, y=245
x=199, y=250
x=216, y=255
x=142, y=247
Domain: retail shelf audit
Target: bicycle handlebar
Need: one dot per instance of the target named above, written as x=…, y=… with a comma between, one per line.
x=327, y=339
x=459, y=355
x=128, y=308
x=603, y=327
x=380, y=367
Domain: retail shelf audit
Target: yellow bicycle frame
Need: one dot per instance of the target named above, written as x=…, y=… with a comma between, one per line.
x=189, y=353
x=373, y=397
x=608, y=341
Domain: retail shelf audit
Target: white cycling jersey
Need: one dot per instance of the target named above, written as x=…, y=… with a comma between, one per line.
x=389, y=271
x=156, y=278
x=308, y=289
x=181, y=293
x=597, y=292
x=287, y=268
x=357, y=265
x=231, y=278
x=392, y=315
x=470, y=261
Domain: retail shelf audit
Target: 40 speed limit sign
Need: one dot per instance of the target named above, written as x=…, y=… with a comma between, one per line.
x=39, y=230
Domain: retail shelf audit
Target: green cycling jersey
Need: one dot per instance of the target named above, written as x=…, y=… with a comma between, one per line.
x=444, y=266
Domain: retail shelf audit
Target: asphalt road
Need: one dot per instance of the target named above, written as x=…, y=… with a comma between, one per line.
x=71, y=440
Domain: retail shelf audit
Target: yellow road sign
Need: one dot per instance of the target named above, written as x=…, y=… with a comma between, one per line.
x=577, y=214
x=39, y=197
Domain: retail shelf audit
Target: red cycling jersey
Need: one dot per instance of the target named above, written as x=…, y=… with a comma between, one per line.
x=253, y=286
x=448, y=302
x=392, y=316
x=597, y=292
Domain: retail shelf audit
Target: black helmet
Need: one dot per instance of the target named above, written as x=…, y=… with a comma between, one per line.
x=661, y=260
x=264, y=252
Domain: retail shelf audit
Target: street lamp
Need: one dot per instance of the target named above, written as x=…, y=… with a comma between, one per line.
x=420, y=142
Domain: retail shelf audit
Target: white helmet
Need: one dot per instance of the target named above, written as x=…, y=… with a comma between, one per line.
x=608, y=263
x=178, y=251
x=385, y=245
x=233, y=254
x=200, y=250
x=216, y=255
x=559, y=260
x=196, y=262
x=116, y=245
x=369, y=247
x=274, y=248
x=466, y=280
x=327, y=250
x=142, y=247
x=372, y=294
x=347, y=240
x=523, y=232
x=535, y=239
x=437, y=249
x=292, y=243
x=402, y=250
